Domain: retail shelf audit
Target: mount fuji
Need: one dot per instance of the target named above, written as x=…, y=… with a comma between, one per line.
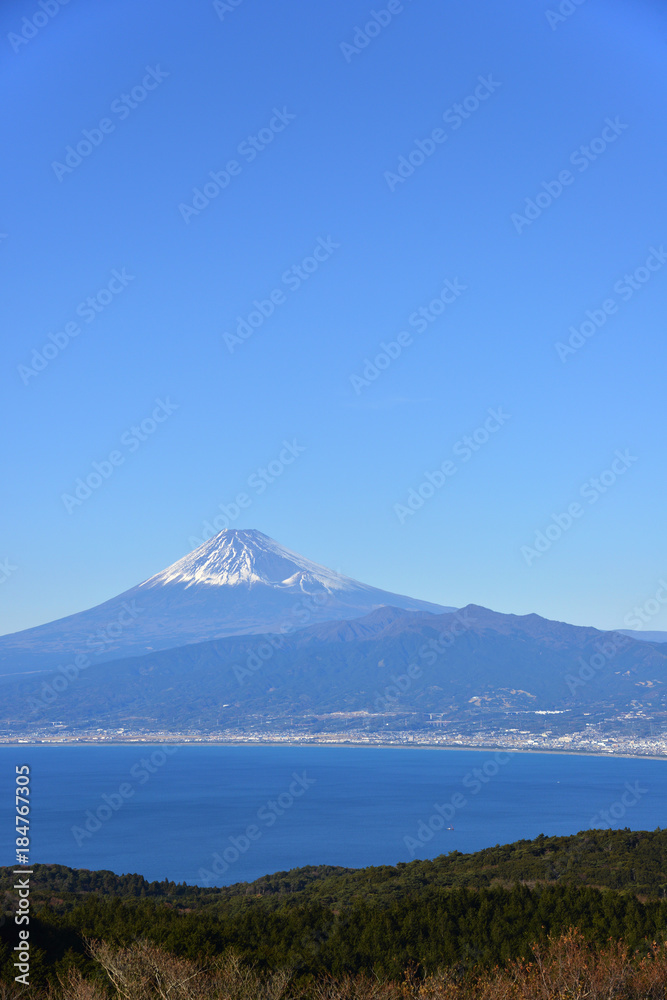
x=237, y=583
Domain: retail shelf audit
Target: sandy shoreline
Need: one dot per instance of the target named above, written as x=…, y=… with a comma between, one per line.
x=491, y=748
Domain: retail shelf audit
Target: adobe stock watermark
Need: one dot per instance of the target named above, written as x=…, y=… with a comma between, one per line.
x=581, y=158
x=364, y=34
x=454, y=117
x=429, y=652
x=122, y=107
x=7, y=568
x=607, y=819
x=591, y=490
x=419, y=320
x=113, y=801
x=566, y=8
x=642, y=614
x=474, y=781
x=97, y=643
x=222, y=7
x=249, y=148
x=292, y=278
x=267, y=815
x=613, y=642
x=130, y=441
x=463, y=449
x=625, y=288
x=605, y=650
x=258, y=481
x=300, y=614
x=88, y=310
x=31, y=26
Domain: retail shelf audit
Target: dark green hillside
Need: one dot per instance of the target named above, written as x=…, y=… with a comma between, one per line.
x=458, y=910
x=634, y=862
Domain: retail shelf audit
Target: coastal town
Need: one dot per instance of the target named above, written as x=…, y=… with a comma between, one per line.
x=587, y=741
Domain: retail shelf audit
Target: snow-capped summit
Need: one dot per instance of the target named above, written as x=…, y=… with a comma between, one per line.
x=232, y=558
x=237, y=583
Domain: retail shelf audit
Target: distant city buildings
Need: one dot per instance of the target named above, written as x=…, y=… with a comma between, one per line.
x=590, y=740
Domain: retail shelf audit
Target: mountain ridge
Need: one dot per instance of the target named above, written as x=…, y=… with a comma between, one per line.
x=239, y=582
x=390, y=667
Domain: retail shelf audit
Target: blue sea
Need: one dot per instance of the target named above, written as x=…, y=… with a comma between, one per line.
x=217, y=814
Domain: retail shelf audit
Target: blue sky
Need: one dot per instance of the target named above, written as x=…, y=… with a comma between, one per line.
x=157, y=99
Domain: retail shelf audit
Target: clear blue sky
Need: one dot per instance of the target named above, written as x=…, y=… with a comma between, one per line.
x=169, y=93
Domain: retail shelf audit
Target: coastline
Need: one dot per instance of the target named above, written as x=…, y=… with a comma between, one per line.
x=347, y=744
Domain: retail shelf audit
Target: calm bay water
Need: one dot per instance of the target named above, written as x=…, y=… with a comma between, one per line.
x=252, y=810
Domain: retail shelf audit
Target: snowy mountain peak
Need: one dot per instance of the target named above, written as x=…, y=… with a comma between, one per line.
x=234, y=558
x=236, y=583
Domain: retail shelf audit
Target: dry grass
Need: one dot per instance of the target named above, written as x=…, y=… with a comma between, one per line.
x=563, y=969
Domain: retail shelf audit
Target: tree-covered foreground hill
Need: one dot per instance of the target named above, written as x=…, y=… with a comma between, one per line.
x=462, y=913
